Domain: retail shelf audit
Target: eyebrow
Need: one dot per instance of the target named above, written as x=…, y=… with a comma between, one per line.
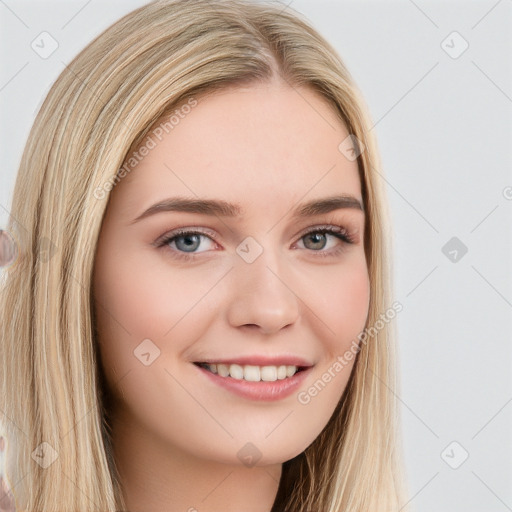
x=222, y=208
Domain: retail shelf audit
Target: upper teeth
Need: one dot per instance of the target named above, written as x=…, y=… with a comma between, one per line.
x=253, y=373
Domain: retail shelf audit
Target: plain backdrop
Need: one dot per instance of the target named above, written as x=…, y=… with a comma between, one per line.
x=438, y=81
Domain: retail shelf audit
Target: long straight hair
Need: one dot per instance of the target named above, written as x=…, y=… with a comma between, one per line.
x=103, y=104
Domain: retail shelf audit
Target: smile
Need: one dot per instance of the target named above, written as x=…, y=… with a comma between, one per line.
x=252, y=373
x=260, y=383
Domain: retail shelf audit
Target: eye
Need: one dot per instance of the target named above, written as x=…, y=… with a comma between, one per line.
x=316, y=239
x=184, y=242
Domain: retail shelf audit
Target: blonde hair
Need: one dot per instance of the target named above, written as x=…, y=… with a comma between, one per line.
x=102, y=105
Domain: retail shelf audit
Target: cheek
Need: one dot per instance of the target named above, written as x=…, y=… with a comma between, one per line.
x=340, y=301
x=350, y=301
x=144, y=299
x=342, y=306
x=137, y=301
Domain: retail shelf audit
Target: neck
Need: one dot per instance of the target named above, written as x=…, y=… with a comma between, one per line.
x=162, y=478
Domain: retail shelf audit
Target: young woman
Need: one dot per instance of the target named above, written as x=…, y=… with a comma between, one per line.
x=199, y=314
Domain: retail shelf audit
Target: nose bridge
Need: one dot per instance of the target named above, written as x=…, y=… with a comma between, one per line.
x=260, y=294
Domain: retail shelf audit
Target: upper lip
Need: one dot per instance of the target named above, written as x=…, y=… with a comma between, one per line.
x=260, y=360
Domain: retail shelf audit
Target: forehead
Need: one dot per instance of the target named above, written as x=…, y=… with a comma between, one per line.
x=263, y=143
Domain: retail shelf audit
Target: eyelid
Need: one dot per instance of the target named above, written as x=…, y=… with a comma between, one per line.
x=331, y=228
x=180, y=231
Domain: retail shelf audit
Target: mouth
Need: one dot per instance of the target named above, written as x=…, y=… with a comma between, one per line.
x=252, y=373
x=258, y=382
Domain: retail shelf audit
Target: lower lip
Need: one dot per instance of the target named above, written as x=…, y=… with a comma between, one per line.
x=261, y=390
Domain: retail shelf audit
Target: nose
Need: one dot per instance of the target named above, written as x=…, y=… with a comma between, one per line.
x=262, y=296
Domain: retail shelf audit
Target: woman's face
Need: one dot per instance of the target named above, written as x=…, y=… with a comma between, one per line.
x=248, y=286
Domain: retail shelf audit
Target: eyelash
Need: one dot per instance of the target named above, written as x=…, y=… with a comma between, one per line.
x=337, y=231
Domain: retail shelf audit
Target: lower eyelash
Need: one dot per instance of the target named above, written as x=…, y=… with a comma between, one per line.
x=338, y=231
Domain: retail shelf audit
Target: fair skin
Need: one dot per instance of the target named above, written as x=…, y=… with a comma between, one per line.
x=270, y=148
x=6, y=497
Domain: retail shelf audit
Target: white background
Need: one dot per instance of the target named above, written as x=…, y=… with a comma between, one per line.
x=444, y=129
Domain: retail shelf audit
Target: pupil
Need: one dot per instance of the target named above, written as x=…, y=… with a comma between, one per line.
x=189, y=240
x=318, y=238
